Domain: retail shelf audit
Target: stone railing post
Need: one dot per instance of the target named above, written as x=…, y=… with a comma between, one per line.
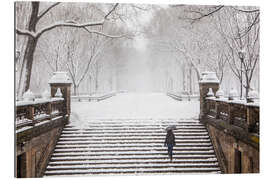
x=62, y=81
x=208, y=80
x=217, y=109
x=252, y=117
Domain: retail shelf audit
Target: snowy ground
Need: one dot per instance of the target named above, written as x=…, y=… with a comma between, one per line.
x=134, y=106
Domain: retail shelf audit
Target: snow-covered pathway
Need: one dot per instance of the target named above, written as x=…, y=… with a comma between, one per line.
x=134, y=106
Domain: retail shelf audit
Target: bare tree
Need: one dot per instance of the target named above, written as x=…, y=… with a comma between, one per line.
x=243, y=47
x=34, y=32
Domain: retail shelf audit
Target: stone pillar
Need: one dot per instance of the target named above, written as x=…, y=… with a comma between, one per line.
x=208, y=80
x=62, y=81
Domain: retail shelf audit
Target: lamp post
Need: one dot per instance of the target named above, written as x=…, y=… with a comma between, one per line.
x=241, y=54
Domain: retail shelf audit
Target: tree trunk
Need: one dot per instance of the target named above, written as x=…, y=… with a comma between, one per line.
x=96, y=80
x=110, y=83
x=75, y=88
x=184, y=77
x=96, y=84
x=29, y=52
x=190, y=80
x=27, y=65
x=247, y=85
x=89, y=84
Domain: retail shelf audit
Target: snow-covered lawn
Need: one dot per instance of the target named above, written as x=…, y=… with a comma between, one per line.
x=134, y=106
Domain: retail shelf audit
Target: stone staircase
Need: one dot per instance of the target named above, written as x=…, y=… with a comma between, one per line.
x=132, y=146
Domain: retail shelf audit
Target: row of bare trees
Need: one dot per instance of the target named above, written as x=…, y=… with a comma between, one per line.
x=89, y=41
x=223, y=39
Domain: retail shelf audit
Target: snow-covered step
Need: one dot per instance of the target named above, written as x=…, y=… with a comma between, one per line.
x=131, y=173
x=74, y=138
x=104, y=145
x=138, y=156
x=128, y=146
x=125, y=153
x=131, y=131
x=134, y=170
x=83, y=149
x=94, y=131
x=103, y=128
x=116, y=150
x=132, y=124
x=94, y=125
x=132, y=161
x=77, y=134
x=153, y=142
x=138, y=165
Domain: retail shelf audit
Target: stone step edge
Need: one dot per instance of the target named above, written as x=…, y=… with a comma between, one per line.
x=134, y=170
x=143, y=161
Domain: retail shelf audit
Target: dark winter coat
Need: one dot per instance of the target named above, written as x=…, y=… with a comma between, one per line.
x=170, y=139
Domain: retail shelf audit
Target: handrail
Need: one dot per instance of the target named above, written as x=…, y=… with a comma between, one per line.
x=182, y=97
x=93, y=98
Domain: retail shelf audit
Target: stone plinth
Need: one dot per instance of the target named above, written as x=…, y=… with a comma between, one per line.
x=62, y=81
x=208, y=80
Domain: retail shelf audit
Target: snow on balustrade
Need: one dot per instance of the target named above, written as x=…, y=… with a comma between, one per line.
x=60, y=77
x=256, y=103
x=37, y=101
x=23, y=129
x=209, y=77
x=233, y=98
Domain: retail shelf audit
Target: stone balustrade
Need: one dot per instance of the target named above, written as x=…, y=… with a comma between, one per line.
x=233, y=125
x=39, y=123
x=235, y=112
x=31, y=113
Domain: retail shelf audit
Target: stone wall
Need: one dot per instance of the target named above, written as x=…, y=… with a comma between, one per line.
x=37, y=145
x=226, y=146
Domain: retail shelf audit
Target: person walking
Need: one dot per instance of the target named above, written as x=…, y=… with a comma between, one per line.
x=170, y=142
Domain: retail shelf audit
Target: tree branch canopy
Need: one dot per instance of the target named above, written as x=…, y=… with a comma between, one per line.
x=68, y=23
x=208, y=14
